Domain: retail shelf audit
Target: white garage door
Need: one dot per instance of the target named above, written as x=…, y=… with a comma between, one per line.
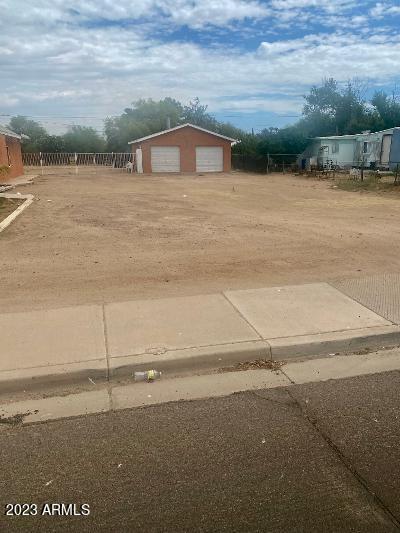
x=209, y=159
x=165, y=159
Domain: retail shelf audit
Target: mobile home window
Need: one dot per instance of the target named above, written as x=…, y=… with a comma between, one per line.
x=335, y=147
x=365, y=148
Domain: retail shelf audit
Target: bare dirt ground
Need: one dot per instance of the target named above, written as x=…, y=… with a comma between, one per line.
x=7, y=206
x=112, y=236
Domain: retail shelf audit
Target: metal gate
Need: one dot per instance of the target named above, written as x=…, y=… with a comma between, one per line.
x=86, y=159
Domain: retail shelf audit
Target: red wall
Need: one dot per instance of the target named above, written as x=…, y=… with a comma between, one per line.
x=187, y=139
x=14, y=150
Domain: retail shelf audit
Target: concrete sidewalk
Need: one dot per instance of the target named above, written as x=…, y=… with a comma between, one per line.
x=186, y=334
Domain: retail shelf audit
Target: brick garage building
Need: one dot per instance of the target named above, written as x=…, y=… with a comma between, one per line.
x=186, y=148
x=10, y=153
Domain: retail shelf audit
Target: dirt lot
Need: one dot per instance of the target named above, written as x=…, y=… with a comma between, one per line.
x=113, y=236
x=7, y=206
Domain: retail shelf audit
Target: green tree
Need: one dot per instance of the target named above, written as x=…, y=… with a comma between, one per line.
x=143, y=118
x=83, y=139
x=320, y=107
x=196, y=113
x=322, y=100
x=32, y=129
x=148, y=116
x=248, y=144
x=352, y=114
x=329, y=110
x=52, y=144
x=387, y=109
x=272, y=141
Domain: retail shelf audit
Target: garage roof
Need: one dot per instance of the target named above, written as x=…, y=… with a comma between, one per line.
x=9, y=133
x=178, y=128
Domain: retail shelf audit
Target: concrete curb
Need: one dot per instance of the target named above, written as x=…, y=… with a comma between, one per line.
x=187, y=360
x=175, y=363
x=184, y=335
x=57, y=375
x=28, y=200
x=188, y=388
x=114, y=398
x=339, y=342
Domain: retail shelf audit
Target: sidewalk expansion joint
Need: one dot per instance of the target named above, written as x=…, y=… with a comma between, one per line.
x=248, y=323
x=110, y=395
x=106, y=341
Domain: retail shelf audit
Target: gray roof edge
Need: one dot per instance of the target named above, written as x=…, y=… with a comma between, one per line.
x=179, y=127
x=9, y=133
x=353, y=135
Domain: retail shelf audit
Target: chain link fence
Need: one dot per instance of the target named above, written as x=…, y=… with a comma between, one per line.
x=265, y=163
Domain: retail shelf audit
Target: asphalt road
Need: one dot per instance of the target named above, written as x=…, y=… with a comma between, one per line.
x=320, y=457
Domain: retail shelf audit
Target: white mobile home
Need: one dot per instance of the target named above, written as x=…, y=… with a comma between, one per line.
x=380, y=150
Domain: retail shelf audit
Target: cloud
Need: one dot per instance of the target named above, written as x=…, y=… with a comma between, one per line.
x=57, y=95
x=328, y=5
x=383, y=9
x=267, y=103
x=81, y=59
x=194, y=13
x=114, y=58
x=8, y=100
x=199, y=13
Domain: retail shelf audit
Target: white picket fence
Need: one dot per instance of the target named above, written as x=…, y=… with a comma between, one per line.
x=102, y=159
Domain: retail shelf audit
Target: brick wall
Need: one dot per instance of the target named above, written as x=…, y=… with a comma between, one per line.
x=187, y=139
x=15, y=155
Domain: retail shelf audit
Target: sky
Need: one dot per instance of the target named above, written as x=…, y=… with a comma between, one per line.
x=250, y=61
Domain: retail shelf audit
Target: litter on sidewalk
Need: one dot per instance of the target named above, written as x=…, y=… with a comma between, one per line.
x=148, y=375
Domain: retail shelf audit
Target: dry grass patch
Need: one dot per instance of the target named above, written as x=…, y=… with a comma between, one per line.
x=372, y=182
